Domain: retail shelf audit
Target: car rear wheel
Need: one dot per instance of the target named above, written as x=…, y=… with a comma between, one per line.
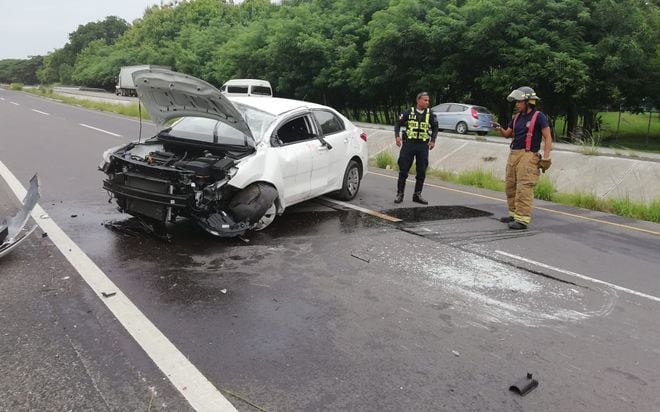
x=461, y=128
x=351, y=183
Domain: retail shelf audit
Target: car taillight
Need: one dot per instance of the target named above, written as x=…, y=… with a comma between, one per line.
x=363, y=136
x=473, y=112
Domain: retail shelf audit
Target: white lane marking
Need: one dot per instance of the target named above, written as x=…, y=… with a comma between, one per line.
x=198, y=391
x=40, y=112
x=451, y=153
x=577, y=275
x=15, y=104
x=363, y=210
x=99, y=130
x=2, y=98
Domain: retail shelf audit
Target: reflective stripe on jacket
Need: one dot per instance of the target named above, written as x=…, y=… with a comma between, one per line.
x=416, y=129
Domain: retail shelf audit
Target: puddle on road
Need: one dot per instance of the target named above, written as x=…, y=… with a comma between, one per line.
x=427, y=213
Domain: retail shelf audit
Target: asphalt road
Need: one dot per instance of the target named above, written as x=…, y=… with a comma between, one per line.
x=327, y=309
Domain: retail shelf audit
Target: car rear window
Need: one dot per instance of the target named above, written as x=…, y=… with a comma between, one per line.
x=329, y=122
x=482, y=110
x=457, y=108
x=440, y=108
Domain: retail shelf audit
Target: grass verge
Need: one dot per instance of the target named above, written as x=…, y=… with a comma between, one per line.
x=545, y=190
x=131, y=109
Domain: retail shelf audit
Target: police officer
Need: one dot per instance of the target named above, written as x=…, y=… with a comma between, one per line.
x=526, y=128
x=421, y=130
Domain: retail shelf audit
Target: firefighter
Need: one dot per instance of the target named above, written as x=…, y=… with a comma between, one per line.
x=421, y=130
x=526, y=129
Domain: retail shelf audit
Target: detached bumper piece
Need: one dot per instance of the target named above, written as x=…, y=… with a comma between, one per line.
x=221, y=225
x=12, y=229
x=524, y=385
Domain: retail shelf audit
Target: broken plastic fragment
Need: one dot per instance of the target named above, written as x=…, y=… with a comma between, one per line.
x=12, y=229
x=108, y=294
x=524, y=386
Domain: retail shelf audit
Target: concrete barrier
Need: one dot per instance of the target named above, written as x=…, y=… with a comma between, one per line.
x=609, y=174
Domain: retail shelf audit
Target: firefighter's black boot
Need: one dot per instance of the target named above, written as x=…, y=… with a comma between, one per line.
x=398, y=198
x=516, y=225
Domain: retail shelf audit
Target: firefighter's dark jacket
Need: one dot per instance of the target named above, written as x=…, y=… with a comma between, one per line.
x=418, y=117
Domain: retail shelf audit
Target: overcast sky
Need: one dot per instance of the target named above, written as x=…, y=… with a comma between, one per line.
x=37, y=27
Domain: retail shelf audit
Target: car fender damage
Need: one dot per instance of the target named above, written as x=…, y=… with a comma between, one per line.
x=12, y=229
x=159, y=183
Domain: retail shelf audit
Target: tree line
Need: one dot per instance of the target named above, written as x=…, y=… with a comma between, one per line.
x=369, y=58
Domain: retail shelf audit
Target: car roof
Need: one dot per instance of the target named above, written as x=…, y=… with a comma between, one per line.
x=258, y=82
x=274, y=105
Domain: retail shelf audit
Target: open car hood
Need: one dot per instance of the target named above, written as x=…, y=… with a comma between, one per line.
x=167, y=95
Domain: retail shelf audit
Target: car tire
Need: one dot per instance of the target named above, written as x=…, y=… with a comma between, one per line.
x=482, y=133
x=351, y=183
x=461, y=128
x=253, y=202
x=268, y=218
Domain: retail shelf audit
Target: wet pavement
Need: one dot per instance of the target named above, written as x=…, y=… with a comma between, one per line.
x=332, y=309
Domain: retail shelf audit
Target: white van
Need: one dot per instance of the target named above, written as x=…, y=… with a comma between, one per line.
x=247, y=87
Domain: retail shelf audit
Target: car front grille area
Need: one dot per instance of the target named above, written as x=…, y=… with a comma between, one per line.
x=148, y=196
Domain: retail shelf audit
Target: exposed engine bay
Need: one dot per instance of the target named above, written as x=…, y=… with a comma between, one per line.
x=161, y=180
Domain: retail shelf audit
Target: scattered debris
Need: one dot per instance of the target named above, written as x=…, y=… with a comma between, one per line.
x=12, y=229
x=74, y=215
x=489, y=158
x=524, y=386
x=456, y=353
x=362, y=258
x=108, y=294
x=136, y=226
x=223, y=291
x=45, y=234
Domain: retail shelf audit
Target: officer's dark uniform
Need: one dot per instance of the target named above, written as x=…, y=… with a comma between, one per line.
x=420, y=127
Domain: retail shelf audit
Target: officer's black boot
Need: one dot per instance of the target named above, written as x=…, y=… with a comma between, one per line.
x=400, y=187
x=417, y=198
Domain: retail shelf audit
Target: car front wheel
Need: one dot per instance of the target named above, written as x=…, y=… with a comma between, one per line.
x=351, y=183
x=461, y=128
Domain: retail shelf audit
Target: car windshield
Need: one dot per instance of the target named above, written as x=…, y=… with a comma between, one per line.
x=209, y=131
x=258, y=121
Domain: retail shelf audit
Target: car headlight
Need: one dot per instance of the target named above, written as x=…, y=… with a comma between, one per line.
x=107, y=153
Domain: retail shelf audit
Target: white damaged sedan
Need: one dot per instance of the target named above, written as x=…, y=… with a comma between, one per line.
x=231, y=164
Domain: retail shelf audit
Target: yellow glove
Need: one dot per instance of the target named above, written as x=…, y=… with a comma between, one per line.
x=544, y=164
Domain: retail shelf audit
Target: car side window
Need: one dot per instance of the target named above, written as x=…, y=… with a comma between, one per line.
x=329, y=122
x=440, y=108
x=456, y=108
x=296, y=130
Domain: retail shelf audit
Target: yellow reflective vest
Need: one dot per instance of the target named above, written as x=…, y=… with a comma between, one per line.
x=416, y=129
